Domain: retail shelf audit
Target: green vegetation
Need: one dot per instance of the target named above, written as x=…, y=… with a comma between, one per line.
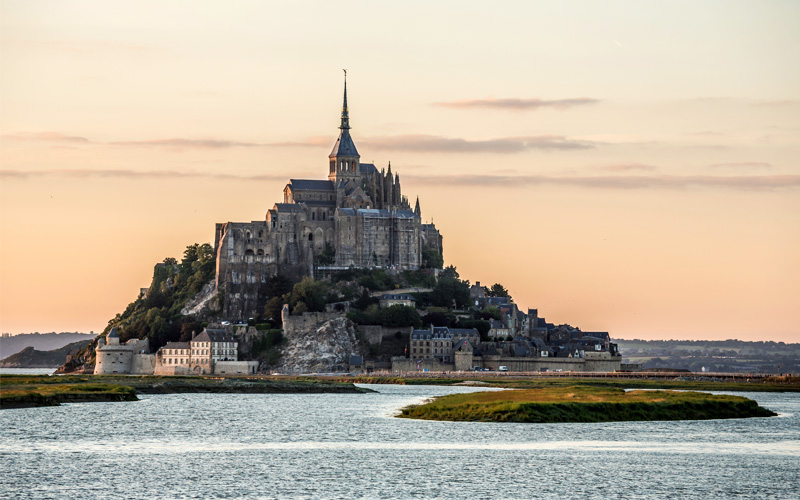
x=394, y=316
x=156, y=315
x=497, y=290
x=432, y=259
x=265, y=349
x=584, y=404
x=450, y=291
x=26, y=391
x=19, y=391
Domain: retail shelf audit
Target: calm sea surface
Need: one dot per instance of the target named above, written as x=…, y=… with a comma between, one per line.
x=237, y=446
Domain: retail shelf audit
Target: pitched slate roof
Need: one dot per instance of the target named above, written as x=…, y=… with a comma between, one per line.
x=214, y=335
x=397, y=296
x=421, y=335
x=311, y=185
x=344, y=145
x=464, y=332
x=367, y=168
x=112, y=333
x=287, y=207
x=176, y=345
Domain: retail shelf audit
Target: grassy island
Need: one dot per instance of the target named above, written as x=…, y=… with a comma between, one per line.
x=584, y=404
x=24, y=391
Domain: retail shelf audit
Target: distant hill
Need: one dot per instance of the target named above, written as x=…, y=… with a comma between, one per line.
x=33, y=358
x=732, y=356
x=40, y=341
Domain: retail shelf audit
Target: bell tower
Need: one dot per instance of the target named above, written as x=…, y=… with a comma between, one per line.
x=344, y=158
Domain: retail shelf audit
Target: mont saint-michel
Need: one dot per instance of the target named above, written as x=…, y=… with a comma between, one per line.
x=342, y=275
x=358, y=218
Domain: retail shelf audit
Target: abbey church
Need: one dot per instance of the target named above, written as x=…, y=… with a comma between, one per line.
x=358, y=217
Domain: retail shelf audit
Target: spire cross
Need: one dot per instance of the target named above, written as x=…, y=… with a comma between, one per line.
x=345, y=115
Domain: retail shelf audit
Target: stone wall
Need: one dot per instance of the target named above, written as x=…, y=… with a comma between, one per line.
x=171, y=370
x=301, y=323
x=143, y=364
x=465, y=362
x=374, y=334
x=401, y=364
x=235, y=367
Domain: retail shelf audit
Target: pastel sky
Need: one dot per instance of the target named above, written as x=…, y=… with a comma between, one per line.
x=630, y=167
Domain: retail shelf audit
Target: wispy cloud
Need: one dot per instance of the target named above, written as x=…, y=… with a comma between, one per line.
x=765, y=182
x=439, y=144
x=188, y=143
x=517, y=104
x=759, y=165
x=44, y=137
x=752, y=182
x=411, y=142
x=140, y=174
x=88, y=46
x=624, y=167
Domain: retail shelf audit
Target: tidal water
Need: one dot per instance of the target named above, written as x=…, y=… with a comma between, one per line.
x=235, y=446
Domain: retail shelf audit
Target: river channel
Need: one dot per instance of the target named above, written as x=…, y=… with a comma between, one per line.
x=264, y=446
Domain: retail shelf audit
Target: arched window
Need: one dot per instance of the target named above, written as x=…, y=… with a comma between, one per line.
x=310, y=237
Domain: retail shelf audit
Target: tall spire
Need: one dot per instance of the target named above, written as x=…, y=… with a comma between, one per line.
x=345, y=115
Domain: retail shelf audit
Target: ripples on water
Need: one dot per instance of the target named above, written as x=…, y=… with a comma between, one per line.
x=251, y=446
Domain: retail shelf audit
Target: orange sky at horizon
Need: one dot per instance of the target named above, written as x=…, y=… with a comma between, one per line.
x=620, y=167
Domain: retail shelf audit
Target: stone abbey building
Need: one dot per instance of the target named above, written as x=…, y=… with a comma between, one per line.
x=358, y=217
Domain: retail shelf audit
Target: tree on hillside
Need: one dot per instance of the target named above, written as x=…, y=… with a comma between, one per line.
x=449, y=272
x=450, y=291
x=311, y=293
x=497, y=290
x=399, y=316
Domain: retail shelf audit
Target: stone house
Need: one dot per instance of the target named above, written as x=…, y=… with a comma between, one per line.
x=211, y=346
x=497, y=329
x=175, y=354
x=394, y=299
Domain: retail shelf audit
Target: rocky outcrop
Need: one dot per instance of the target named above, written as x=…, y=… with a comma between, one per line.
x=321, y=346
x=202, y=303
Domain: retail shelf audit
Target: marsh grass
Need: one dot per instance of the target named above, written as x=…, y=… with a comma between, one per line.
x=44, y=390
x=584, y=404
x=768, y=384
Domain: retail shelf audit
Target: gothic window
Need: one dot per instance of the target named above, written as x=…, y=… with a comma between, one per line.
x=313, y=216
x=310, y=237
x=261, y=234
